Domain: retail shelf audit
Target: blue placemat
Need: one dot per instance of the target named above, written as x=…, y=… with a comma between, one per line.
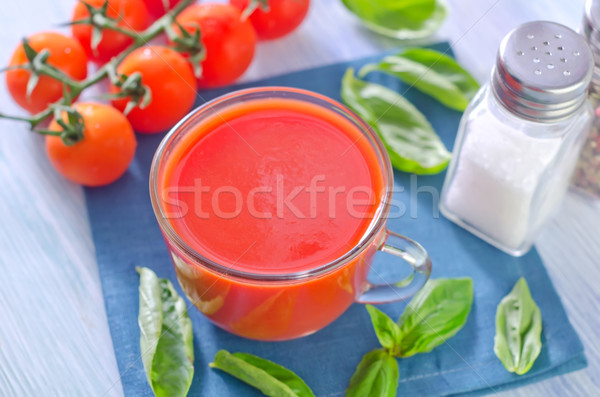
x=126, y=235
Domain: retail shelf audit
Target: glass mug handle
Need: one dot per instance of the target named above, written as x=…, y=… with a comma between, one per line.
x=412, y=253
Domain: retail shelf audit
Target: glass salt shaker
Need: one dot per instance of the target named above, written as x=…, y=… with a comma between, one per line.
x=520, y=138
x=587, y=174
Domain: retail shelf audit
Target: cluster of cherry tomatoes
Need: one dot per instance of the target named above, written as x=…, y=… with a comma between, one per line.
x=109, y=142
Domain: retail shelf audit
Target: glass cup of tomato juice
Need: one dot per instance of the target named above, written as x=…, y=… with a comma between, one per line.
x=273, y=202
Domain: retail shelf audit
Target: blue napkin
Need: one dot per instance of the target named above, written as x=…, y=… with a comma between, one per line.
x=126, y=235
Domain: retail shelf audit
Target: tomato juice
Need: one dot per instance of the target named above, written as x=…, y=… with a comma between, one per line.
x=270, y=190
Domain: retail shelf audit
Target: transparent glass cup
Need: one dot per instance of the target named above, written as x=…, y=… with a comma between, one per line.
x=279, y=306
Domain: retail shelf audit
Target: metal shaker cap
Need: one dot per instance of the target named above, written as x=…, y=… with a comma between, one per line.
x=542, y=71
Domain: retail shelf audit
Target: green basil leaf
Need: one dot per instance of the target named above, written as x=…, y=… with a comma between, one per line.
x=166, y=338
x=435, y=314
x=431, y=72
x=376, y=375
x=270, y=378
x=406, y=19
x=386, y=329
x=410, y=140
x=518, y=329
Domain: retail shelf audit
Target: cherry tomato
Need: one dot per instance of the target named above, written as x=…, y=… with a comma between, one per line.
x=158, y=8
x=132, y=14
x=229, y=41
x=172, y=85
x=283, y=17
x=66, y=54
x=104, y=153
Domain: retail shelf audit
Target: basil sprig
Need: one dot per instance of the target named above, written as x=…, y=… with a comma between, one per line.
x=376, y=375
x=270, y=378
x=387, y=331
x=411, y=142
x=166, y=338
x=435, y=314
x=518, y=329
x=432, y=72
x=406, y=19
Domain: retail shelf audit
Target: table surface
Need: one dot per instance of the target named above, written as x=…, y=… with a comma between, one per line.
x=54, y=337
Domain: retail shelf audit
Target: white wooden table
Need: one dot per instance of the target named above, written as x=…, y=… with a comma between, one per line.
x=54, y=337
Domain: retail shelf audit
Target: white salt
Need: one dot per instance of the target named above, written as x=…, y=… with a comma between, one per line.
x=497, y=180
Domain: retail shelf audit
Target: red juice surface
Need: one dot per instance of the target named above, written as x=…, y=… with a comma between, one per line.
x=272, y=186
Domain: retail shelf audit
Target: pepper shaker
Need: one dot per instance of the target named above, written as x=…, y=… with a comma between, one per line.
x=587, y=175
x=520, y=138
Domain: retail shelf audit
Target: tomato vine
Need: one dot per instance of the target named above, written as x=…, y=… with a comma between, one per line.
x=131, y=86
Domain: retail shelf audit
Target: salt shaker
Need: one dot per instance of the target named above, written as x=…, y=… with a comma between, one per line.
x=587, y=175
x=520, y=138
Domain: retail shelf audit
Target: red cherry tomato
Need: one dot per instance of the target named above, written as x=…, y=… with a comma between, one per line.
x=283, y=17
x=158, y=8
x=172, y=84
x=229, y=41
x=66, y=54
x=104, y=154
x=132, y=14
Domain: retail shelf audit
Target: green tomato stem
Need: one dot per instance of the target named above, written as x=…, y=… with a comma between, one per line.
x=76, y=87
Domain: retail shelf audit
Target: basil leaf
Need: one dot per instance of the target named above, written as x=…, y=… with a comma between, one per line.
x=436, y=313
x=386, y=329
x=518, y=329
x=410, y=140
x=166, y=338
x=376, y=375
x=270, y=378
x=431, y=72
x=406, y=19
